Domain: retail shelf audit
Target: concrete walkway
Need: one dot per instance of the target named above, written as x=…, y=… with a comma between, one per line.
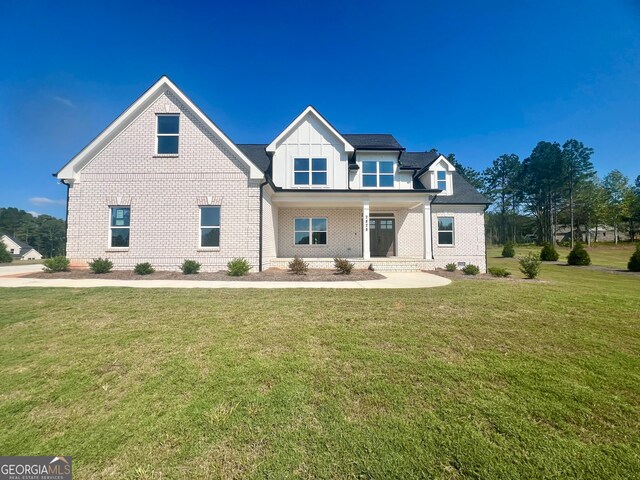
x=8, y=278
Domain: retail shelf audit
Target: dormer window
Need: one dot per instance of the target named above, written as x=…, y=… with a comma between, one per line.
x=167, y=134
x=442, y=180
x=310, y=171
x=377, y=174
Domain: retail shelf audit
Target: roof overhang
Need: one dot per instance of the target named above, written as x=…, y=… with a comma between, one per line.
x=440, y=158
x=271, y=148
x=351, y=198
x=70, y=171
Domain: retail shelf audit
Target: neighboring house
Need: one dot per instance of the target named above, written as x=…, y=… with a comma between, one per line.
x=20, y=250
x=601, y=233
x=163, y=184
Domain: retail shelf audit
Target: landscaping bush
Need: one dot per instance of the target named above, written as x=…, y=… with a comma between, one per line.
x=579, y=256
x=499, y=272
x=634, y=261
x=238, y=267
x=5, y=256
x=190, y=267
x=530, y=265
x=470, y=270
x=56, y=264
x=549, y=253
x=343, y=265
x=509, y=250
x=450, y=267
x=143, y=268
x=298, y=266
x=100, y=265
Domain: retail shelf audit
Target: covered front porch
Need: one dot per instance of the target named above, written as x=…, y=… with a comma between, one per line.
x=389, y=230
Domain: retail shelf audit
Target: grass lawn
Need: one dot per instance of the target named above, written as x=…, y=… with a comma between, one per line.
x=479, y=379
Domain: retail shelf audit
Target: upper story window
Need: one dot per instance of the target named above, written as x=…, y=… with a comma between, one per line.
x=119, y=227
x=168, y=133
x=442, y=180
x=310, y=171
x=210, y=226
x=377, y=174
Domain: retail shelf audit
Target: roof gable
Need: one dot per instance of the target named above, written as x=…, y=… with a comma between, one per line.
x=164, y=84
x=309, y=111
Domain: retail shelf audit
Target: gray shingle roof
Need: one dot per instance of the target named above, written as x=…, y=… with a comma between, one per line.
x=257, y=153
x=376, y=141
x=463, y=193
x=418, y=159
x=24, y=247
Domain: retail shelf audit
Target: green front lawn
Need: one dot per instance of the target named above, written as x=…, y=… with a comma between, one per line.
x=479, y=379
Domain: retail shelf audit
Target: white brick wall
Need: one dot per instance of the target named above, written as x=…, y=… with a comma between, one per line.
x=165, y=193
x=468, y=235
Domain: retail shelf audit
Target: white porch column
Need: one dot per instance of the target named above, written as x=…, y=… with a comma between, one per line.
x=366, y=240
x=428, y=253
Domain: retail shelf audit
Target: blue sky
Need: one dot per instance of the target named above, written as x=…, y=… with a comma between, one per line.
x=475, y=78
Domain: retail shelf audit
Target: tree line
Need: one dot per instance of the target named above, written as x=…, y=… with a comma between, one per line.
x=45, y=233
x=555, y=185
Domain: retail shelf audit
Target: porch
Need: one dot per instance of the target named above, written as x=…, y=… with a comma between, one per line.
x=379, y=264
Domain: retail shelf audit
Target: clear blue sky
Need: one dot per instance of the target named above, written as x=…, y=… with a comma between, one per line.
x=475, y=78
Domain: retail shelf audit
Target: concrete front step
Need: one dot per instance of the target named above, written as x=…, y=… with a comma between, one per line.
x=379, y=264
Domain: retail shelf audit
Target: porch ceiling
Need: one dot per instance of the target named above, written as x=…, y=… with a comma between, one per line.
x=352, y=199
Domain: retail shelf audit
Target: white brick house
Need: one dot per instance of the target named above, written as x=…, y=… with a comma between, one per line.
x=163, y=184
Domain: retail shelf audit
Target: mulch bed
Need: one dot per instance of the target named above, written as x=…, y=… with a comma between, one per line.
x=270, y=275
x=459, y=275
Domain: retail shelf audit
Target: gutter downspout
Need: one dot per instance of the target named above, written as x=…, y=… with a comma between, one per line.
x=66, y=215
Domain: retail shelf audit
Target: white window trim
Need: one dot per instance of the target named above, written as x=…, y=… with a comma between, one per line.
x=310, y=244
x=200, y=227
x=158, y=154
x=310, y=172
x=377, y=174
x=453, y=231
x=446, y=182
x=111, y=227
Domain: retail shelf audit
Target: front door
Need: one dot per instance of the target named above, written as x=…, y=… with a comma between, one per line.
x=382, y=232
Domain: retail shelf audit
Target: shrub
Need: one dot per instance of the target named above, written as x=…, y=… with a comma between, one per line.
x=634, y=261
x=549, y=253
x=450, y=267
x=470, y=270
x=56, y=264
x=579, y=256
x=238, y=267
x=499, y=272
x=143, y=268
x=371, y=269
x=298, y=266
x=190, y=267
x=530, y=265
x=5, y=256
x=509, y=250
x=343, y=265
x=100, y=265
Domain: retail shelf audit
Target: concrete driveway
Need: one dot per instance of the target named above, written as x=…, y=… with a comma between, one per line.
x=9, y=278
x=17, y=269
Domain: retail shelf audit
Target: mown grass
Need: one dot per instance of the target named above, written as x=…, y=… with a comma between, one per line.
x=479, y=379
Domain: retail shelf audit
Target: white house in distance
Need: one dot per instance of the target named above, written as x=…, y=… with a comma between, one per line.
x=20, y=250
x=163, y=183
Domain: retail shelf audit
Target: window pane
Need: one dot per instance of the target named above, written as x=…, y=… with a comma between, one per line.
x=369, y=181
x=386, y=180
x=302, y=224
x=319, y=224
x=301, y=178
x=168, y=145
x=120, y=217
x=386, y=167
x=119, y=237
x=210, y=237
x=369, y=167
x=445, y=223
x=319, y=164
x=168, y=123
x=210, y=216
x=319, y=238
x=442, y=175
x=301, y=164
x=445, y=238
x=302, y=238
x=442, y=185
x=319, y=178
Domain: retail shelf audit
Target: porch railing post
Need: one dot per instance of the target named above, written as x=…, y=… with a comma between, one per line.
x=428, y=251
